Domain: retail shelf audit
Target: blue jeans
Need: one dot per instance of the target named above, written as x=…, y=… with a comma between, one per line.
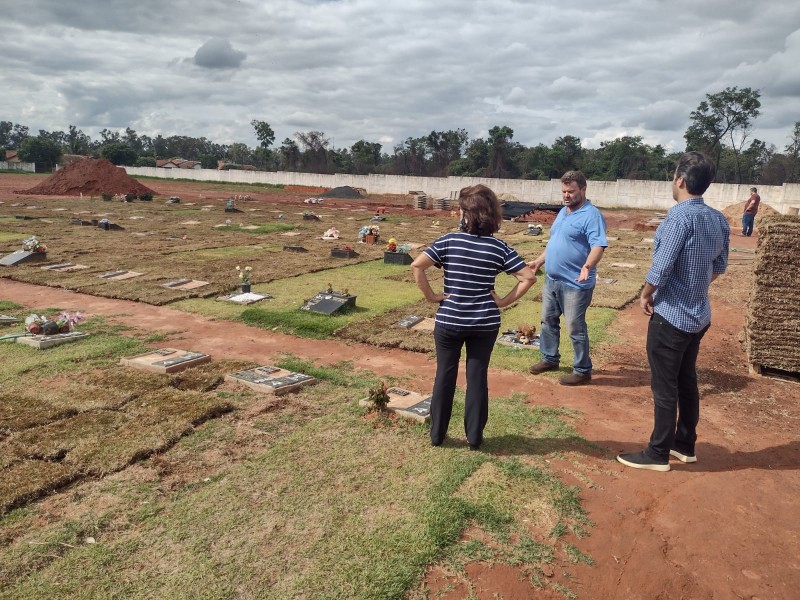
x=558, y=299
x=747, y=224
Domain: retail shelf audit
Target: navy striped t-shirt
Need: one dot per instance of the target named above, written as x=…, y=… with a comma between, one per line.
x=470, y=264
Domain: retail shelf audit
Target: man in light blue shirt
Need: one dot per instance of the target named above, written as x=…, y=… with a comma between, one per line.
x=576, y=245
x=690, y=251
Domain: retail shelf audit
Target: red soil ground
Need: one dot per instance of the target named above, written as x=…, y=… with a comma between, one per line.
x=725, y=527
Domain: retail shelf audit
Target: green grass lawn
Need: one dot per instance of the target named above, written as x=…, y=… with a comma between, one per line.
x=326, y=503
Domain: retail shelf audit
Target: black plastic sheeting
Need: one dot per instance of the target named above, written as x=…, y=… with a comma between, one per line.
x=512, y=210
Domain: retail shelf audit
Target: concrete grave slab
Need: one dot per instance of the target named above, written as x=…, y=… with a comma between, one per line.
x=426, y=325
x=22, y=256
x=136, y=218
x=409, y=321
x=166, y=360
x=328, y=303
x=291, y=233
x=119, y=275
x=624, y=265
x=606, y=280
x=406, y=403
x=511, y=338
x=55, y=209
x=6, y=320
x=271, y=380
x=612, y=239
x=648, y=240
x=192, y=223
x=184, y=284
x=42, y=342
x=67, y=267
x=246, y=298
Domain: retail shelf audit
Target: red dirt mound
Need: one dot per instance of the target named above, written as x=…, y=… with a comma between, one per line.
x=88, y=176
x=733, y=213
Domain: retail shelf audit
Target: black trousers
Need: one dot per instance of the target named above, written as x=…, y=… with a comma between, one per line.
x=476, y=409
x=672, y=355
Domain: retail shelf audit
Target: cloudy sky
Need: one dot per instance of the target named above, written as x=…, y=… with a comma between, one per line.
x=384, y=70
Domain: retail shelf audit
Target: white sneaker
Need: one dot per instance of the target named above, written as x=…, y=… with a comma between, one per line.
x=687, y=458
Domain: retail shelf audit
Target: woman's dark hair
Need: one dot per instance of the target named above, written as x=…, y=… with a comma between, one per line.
x=482, y=213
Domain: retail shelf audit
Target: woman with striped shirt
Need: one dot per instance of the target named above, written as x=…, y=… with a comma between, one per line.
x=469, y=308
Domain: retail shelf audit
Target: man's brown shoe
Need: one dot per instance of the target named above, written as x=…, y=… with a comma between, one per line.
x=574, y=379
x=542, y=366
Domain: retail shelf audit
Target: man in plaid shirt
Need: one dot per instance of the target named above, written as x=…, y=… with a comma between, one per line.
x=690, y=251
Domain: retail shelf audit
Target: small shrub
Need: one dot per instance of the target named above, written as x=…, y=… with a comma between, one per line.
x=146, y=196
x=378, y=397
x=130, y=197
x=106, y=196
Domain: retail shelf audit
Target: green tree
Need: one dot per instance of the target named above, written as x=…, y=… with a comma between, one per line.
x=365, y=157
x=265, y=137
x=443, y=147
x=793, y=154
x=474, y=162
x=724, y=116
x=77, y=142
x=145, y=161
x=40, y=150
x=314, y=152
x=119, y=154
x=501, y=153
x=289, y=155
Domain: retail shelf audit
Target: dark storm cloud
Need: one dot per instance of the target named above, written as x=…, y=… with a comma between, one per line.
x=391, y=70
x=217, y=53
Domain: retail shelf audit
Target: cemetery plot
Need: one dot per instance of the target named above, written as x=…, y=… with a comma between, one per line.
x=271, y=380
x=41, y=342
x=244, y=298
x=22, y=256
x=119, y=275
x=406, y=403
x=166, y=360
x=184, y=284
x=328, y=303
x=67, y=267
x=515, y=339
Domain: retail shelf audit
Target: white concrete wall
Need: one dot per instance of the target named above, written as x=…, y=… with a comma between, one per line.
x=20, y=166
x=623, y=193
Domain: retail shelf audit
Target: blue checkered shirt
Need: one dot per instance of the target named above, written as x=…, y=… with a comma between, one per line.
x=690, y=245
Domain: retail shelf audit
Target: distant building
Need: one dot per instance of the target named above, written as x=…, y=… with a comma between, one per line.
x=11, y=156
x=228, y=166
x=178, y=163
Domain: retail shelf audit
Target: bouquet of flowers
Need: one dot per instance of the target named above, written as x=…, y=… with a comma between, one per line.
x=67, y=321
x=244, y=274
x=31, y=244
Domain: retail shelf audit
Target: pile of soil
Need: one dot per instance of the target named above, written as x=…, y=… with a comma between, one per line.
x=771, y=334
x=733, y=214
x=344, y=191
x=89, y=177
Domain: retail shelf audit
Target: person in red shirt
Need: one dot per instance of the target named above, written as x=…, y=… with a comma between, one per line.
x=750, y=210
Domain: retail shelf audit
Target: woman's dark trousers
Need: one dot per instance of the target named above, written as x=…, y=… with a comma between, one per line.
x=476, y=406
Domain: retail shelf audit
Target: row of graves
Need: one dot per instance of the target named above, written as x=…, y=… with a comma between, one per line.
x=44, y=332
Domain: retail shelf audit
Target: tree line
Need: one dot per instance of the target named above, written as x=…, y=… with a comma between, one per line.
x=721, y=126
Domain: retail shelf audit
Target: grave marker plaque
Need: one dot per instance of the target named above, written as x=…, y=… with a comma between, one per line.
x=329, y=303
x=295, y=249
x=271, y=380
x=409, y=321
x=406, y=403
x=48, y=341
x=22, y=256
x=184, y=284
x=426, y=325
x=343, y=253
x=119, y=275
x=166, y=360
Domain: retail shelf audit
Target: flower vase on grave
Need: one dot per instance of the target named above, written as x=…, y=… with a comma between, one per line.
x=245, y=288
x=370, y=239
